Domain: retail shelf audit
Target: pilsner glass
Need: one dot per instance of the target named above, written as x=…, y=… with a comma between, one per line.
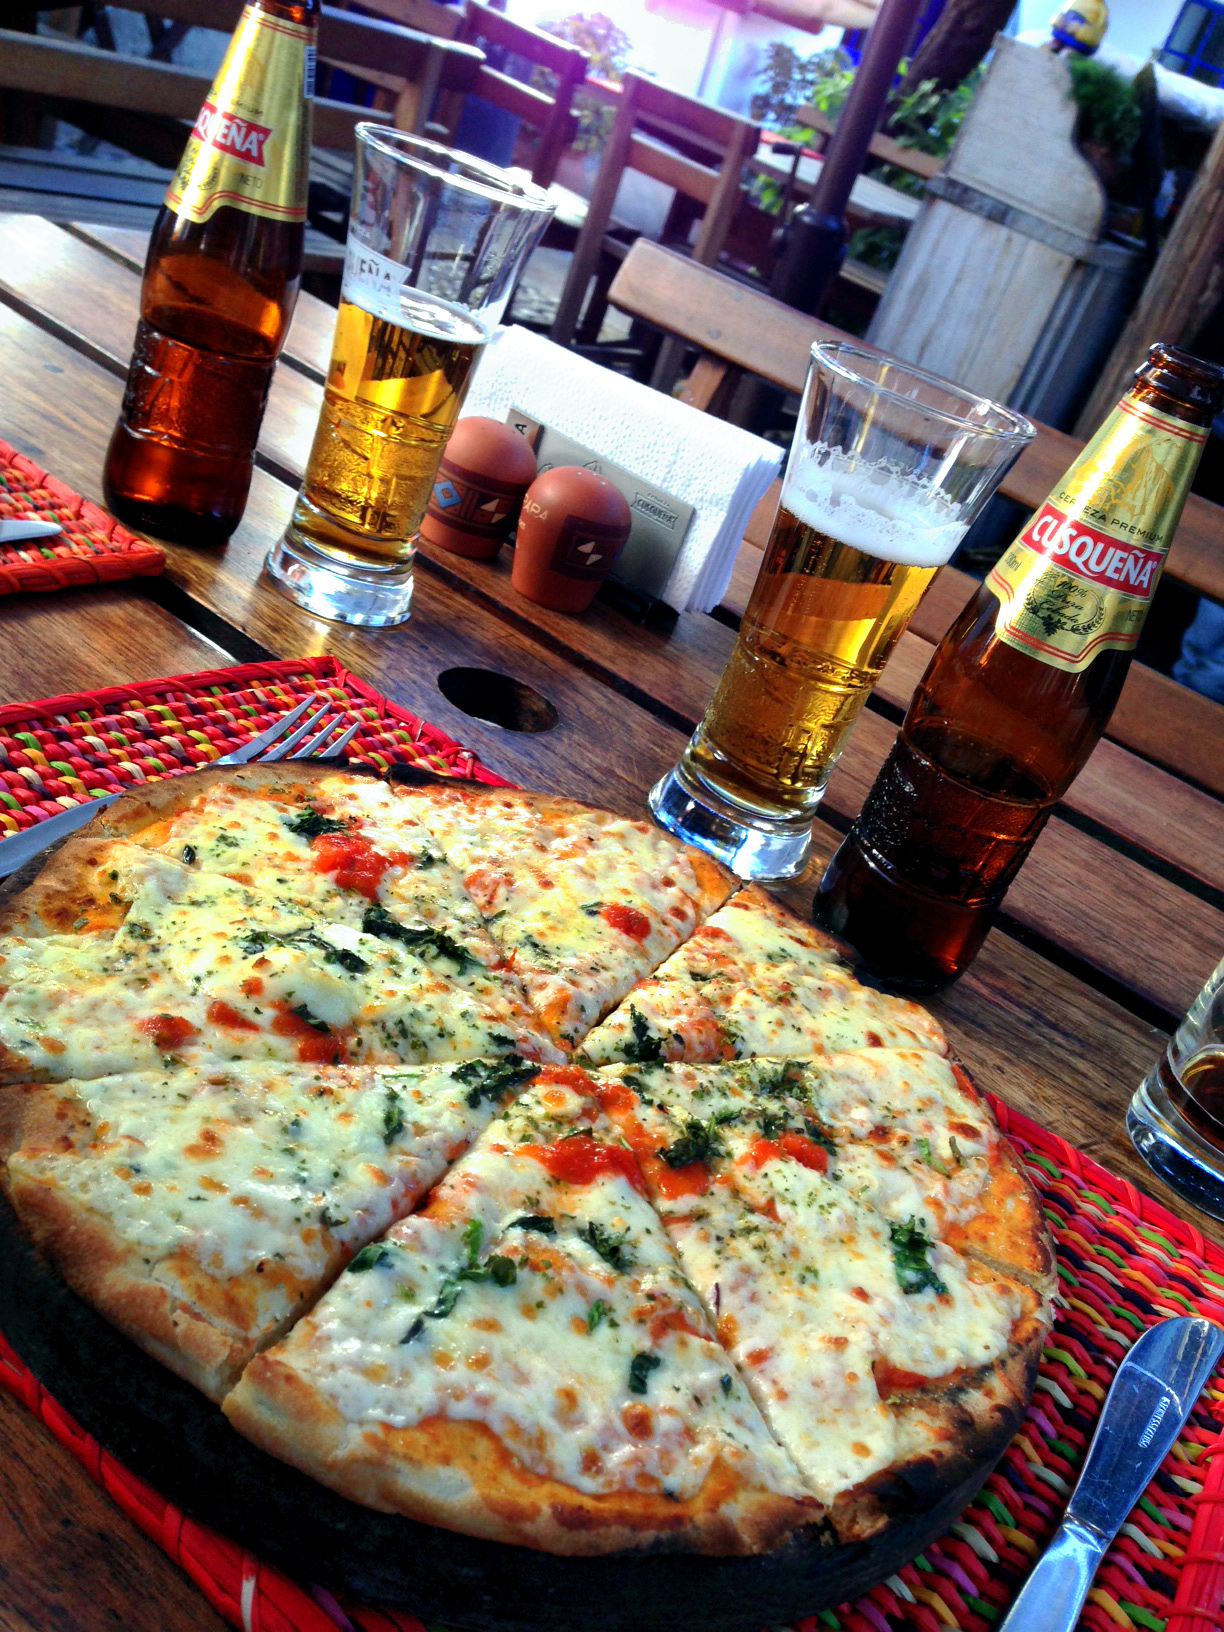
x=436, y=240
x=888, y=467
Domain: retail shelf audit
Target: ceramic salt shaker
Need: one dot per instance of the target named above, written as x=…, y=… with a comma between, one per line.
x=475, y=501
x=573, y=526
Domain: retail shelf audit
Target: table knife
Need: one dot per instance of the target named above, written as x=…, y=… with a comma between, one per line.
x=19, y=527
x=1148, y=1404
x=18, y=848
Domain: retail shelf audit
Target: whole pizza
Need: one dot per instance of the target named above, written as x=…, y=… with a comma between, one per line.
x=501, y=1163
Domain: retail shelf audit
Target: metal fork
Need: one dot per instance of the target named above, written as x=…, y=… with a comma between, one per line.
x=277, y=742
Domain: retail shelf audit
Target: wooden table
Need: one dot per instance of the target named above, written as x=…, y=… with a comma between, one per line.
x=1112, y=927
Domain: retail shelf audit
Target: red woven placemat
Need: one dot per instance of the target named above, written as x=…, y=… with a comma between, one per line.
x=93, y=547
x=65, y=750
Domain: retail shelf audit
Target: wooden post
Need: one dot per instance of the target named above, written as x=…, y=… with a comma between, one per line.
x=1177, y=295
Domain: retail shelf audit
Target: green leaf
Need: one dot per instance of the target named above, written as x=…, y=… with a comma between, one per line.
x=644, y=1047
x=915, y=1273
x=309, y=823
x=611, y=1245
x=426, y=941
x=640, y=1368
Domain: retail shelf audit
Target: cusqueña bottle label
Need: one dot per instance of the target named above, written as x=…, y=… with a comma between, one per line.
x=250, y=145
x=1080, y=577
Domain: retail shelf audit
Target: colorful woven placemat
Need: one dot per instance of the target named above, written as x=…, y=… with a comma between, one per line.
x=1124, y=1263
x=93, y=548
x=64, y=750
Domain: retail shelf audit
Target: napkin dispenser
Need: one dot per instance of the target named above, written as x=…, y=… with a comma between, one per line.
x=661, y=521
x=667, y=447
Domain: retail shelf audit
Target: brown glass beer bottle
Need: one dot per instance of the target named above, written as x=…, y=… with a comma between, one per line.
x=1018, y=691
x=220, y=283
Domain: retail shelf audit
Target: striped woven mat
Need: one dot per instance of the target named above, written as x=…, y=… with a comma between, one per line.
x=1124, y=1262
x=91, y=548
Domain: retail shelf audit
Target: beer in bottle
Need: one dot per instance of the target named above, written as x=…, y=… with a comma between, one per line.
x=1018, y=691
x=220, y=283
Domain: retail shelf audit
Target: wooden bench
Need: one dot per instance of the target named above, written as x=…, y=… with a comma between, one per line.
x=737, y=331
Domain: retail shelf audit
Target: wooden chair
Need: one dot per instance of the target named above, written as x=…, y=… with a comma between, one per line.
x=737, y=331
x=656, y=131
x=141, y=104
x=71, y=72
x=550, y=113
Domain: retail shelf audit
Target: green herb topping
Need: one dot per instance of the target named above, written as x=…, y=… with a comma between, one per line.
x=644, y=1047
x=257, y=941
x=310, y=823
x=378, y=1252
x=502, y=1271
x=611, y=1245
x=640, y=1368
x=425, y=941
x=700, y=1141
x=915, y=1273
x=539, y=1223
x=493, y=1079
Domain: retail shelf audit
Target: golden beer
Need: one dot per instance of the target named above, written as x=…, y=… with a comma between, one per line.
x=824, y=614
x=392, y=396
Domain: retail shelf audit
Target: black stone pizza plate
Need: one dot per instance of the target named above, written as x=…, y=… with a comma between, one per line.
x=177, y=1440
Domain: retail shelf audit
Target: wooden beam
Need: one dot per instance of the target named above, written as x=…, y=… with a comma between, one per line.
x=1171, y=305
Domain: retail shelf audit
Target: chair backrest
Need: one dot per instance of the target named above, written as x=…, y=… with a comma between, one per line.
x=739, y=330
x=655, y=132
x=417, y=64
x=546, y=110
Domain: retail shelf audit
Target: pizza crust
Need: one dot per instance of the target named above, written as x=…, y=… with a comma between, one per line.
x=460, y=1475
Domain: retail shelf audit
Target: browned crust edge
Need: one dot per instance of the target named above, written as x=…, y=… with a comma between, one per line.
x=460, y=1475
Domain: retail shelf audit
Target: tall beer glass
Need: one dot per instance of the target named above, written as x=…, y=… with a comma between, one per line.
x=436, y=240
x=888, y=467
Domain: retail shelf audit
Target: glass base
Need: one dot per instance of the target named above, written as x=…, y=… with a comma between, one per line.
x=753, y=846
x=1171, y=1147
x=362, y=592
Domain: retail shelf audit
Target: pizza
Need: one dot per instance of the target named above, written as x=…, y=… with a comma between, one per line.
x=502, y=1163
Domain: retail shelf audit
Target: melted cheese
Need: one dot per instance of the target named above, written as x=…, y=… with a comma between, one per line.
x=605, y=1375
x=754, y=981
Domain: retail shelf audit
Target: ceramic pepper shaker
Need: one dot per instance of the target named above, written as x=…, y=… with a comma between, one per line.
x=573, y=526
x=475, y=501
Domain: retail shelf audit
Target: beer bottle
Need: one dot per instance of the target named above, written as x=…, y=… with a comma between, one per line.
x=1019, y=690
x=220, y=283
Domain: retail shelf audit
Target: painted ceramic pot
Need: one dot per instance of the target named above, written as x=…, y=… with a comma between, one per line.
x=475, y=501
x=573, y=526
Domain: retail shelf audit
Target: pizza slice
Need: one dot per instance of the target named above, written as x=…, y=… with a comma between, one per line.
x=201, y=1210
x=582, y=902
x=343, y=846
x=200, y=965
x=863, y=1332
x=525, y=1360
x=755, y=980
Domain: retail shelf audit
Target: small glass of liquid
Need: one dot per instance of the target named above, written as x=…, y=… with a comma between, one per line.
x=1176, y=1119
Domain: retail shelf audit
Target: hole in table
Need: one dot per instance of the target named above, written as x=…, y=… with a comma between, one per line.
x=487, y=695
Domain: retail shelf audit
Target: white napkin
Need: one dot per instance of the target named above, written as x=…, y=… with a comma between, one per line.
x=719, y=469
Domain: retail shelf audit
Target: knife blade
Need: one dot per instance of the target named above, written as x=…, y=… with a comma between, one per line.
x=18, y=848
x=19, y=527
x=1148, y=1404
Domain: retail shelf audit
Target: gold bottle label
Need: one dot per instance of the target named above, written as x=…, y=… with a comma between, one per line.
x=250, y=145
x=1080, y=576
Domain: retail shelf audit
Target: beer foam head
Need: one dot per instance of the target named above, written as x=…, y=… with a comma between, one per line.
x=872, y=506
